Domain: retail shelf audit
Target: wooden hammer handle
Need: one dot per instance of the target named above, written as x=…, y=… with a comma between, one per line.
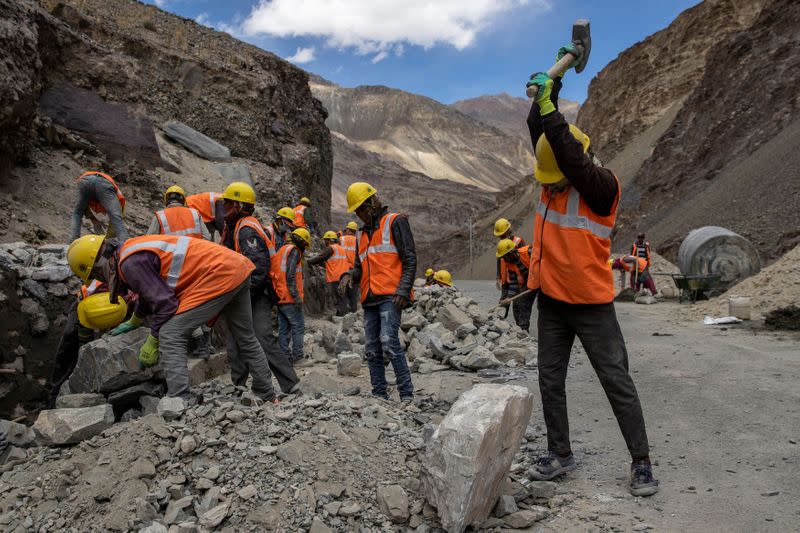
x=560, y=66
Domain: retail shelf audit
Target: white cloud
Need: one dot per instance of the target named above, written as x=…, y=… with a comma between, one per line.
x=202, y=19
x=160, y=3
x=302, y=55
x=378, y=26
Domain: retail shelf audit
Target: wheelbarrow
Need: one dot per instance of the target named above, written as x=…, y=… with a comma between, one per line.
x=697, y=287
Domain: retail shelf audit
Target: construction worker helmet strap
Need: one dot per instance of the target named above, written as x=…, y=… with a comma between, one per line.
x=82, y=254
x=239, y=191
x=97, y=312
x=358, y=193
x=304, y=235
x=444, y=277
x=546, y=168
x=330, y=235
x=501, y=227
x=174, y=190
x=503, y=247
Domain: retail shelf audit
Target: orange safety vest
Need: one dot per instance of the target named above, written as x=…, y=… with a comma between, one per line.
x=525, y=257
x=349, y=246
x=299, y=216
x=381, y=266
x=337, y=264
x=249, y=222
x=205, y=203
x=180, y=220
x=196, y=269
x=95, y=205
x=93, y=287
x=636, y=252
x=625, y=263
x=571, y=246
x=517, y=244
x=277, y=271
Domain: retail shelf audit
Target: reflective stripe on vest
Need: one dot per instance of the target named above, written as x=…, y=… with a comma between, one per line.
x=277, y=271
x=337, y=264
x=381, y=266
x=196, y=269
x=180, y=227
x=249, y=222
x=95, y=205
x=386, y=245
x=269, y=234
x=205, y=203
x=571, y=247
x=349, y=246
x=93, y=287
x=517, y=241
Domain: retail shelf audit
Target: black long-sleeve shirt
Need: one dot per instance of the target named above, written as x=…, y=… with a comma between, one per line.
x=320, y=259
x=596, y=184
x=295, y=256
x=404, y=242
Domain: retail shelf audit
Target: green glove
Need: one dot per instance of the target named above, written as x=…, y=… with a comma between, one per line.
x=569, y=49
x=148, y=354
x=545, y=84
x=132, y=323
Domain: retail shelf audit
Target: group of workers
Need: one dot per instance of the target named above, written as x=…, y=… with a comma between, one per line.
x=438, y=278
x=184, y=282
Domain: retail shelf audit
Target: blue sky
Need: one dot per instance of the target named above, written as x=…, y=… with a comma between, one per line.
x=445, y=49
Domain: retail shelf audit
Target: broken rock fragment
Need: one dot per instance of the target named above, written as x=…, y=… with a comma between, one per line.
x=70, y=426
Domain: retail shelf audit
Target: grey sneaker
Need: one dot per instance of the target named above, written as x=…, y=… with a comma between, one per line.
x=642, y=481
x=551, y=465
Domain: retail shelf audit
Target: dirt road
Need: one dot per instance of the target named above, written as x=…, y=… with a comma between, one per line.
x=723, y=413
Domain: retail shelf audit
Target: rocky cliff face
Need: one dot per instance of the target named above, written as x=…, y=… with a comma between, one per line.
x=78, y=66
x=730, y=157
x=509, y=113
x=635, y=90
x=422, y=135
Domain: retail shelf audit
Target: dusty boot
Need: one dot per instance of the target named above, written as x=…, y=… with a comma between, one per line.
x=201, y=339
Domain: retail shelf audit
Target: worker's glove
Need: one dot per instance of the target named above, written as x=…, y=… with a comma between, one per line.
x=131, y=324
x=148, y=354
x=400, y=302
x=545, y=84
x=570, y=48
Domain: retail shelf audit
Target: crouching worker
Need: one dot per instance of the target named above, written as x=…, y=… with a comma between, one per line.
x=443, y=278
x=182, y=283
x=637, y=268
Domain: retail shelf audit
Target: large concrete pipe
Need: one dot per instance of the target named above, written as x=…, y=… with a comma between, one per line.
x=712, y=250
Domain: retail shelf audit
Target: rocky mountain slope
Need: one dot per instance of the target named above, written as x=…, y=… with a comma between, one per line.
x=509, y=113
x=635, y=90
x=422, y=135
x=730, y=156
x=90, y=83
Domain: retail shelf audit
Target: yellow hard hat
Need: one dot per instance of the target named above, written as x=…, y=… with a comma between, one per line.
x=305, y=201
x=175, y=189
x=330, y=235
x=239, y=191
x=501, y=226
x=429, y=272
x=303, y=234
x=546, y=169
x=82, y=254
x=503, y=247
x=443, y=277
x=352, y=225
x=357, y=193
x=97, y=311
x=286, y=212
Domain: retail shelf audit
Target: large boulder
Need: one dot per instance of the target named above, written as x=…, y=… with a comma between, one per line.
x=468, y=456
x=452, y=317
x=70, y=426
x=110, y=364
x=196, y=142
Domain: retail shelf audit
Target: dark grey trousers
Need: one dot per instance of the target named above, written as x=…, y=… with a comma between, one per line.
x=280, y=365
x=598, y=330
x=100, y=189
x=234, y=307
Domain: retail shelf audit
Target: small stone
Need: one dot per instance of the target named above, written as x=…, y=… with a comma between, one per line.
x=318, y=526
x=235, y=415
x=247, y=492
x=213, y=517
x=155, y=527
x=171, y=407
x=188, y=444
x=393, y=502
x=350, y=509
x=771, y=493
x=505, y=505
x=525, y=518
x=348, y=364
x=73, y=401
x=541, y=489
x=142, y=468
x=212, y=473
x=642, y=527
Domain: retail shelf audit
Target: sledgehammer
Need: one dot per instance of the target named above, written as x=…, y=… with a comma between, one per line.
x=582, y=39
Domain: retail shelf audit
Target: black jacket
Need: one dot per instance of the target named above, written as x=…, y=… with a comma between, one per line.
x=404, y=241
x=596, y=184
x=253, y=247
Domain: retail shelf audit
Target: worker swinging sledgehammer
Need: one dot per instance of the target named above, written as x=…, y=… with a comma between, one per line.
x=571, y=244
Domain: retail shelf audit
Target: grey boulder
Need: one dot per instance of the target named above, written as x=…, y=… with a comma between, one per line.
x=110, y=364
x=348, y=364
x=480, y=358
x=196, y=142
x=393, y=502
x=452, y=317
x=70, y=426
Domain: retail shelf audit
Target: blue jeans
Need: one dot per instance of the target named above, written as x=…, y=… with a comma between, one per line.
x=291, y=325
x=382, y=330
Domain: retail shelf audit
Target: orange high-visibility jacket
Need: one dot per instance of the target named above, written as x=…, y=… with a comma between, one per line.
x=571, y=247
x=205, y=203
x=337, y=264
x=95, y=205
x=525, y=257
x=349, y=245
x=93, y=287
x=277, y=271
x=627, y=263
x=381, y=266
x=644, y=252
x=517, y=243
x=299, y=216
x=180, y=220
x=196, y=269
x=248, y=222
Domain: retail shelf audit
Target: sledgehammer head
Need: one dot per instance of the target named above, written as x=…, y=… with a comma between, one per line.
x=582, y=37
